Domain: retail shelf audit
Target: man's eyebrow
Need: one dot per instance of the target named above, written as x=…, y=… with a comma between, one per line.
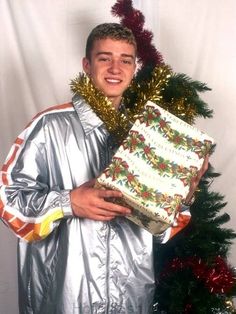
x=103, y=53
x=127, y=55
x=110, y=53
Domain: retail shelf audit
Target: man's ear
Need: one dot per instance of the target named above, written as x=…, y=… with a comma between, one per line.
x=86, y=65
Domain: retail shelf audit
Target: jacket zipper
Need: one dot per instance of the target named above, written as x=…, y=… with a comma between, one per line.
x=108, y=268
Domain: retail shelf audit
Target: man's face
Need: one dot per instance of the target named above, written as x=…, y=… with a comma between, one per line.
x=111, y=67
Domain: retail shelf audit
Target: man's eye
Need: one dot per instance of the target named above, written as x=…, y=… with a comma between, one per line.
x=125, y=61
x=104, y=59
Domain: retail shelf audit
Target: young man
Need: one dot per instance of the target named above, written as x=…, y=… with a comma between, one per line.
x=77, y=252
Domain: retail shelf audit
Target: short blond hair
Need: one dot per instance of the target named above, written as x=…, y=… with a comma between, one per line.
x=109, y=30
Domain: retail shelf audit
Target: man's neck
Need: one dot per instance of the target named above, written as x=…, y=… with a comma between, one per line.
x=115, y=101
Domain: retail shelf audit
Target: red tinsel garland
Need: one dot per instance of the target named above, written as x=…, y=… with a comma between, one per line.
x=218, y=278
x=134, y=20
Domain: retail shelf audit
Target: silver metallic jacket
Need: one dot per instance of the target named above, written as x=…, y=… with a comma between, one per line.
x=69, y=265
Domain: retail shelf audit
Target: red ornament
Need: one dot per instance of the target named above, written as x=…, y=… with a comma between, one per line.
x=188, y=308
x=218, y=279
x=199, y=268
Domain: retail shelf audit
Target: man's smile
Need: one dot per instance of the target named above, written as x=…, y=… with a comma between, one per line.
x=113, y=80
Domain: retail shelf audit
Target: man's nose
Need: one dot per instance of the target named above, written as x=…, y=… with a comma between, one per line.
x=114, y=67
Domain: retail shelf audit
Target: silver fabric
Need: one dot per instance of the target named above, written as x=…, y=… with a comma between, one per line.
x=82, y=266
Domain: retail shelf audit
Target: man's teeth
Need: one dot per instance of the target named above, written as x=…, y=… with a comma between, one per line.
x=113, y=80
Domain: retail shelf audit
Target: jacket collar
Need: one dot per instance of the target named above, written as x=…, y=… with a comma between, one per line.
x=87, y=116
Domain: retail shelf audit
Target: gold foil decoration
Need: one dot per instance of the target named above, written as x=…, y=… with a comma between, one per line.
x=117, y=122
x=151, y=90
x=182, y=109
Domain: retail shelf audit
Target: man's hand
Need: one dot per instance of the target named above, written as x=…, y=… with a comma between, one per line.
x=92, y=203
x=195, y=181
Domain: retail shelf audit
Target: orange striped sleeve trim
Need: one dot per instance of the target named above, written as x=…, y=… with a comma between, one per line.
x=19, y=141
x=4, y=179
x=1, y=207
x=181, y=222
x=32, y=232
x=32, y=236
x=16, y=223
x=56, y=107
x=7, y=216
x=10, y=160
x=29, y=230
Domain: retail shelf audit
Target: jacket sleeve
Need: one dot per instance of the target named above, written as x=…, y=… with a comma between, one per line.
x=181, y=220
x=29, y=204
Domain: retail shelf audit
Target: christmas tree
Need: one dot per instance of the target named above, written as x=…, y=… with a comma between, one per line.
x=192, y=272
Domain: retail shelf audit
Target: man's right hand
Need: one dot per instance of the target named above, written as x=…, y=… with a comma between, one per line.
x=93, y=203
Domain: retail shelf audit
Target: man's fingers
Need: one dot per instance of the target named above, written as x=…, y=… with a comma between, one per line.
x=111, y=207
x=204, y=165
x=103, y=218
x=202, y=170
x=88, y=183
x=93, y=203
x=108, y=193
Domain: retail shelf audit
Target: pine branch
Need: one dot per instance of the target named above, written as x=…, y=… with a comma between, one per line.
x=181, y=86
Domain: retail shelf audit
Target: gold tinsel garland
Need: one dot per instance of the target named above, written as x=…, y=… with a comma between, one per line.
x=118, y=123
x=182, y=109
x=115, y=121
x=151, y=90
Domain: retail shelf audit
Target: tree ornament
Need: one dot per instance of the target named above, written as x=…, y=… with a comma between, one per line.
x=230, y=306
x=219, y=278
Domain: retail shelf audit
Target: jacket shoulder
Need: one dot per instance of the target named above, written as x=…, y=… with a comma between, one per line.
x=55, y=109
